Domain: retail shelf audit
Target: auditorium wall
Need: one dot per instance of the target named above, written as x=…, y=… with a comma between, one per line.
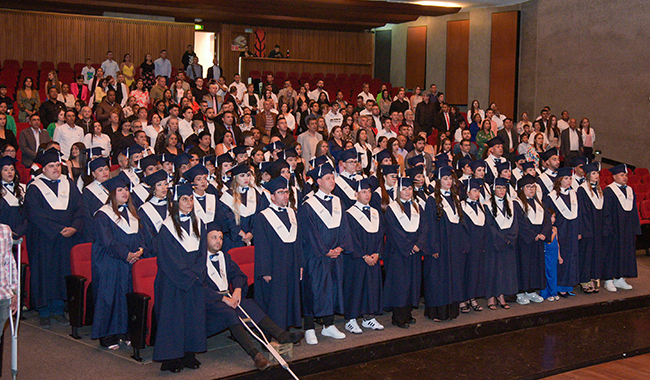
x=589, y=57
x=55, y=37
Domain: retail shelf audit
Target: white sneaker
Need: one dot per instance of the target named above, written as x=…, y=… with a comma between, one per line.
x=620, y=283
x=310, y=336
x=522, y=299
x=534, y=297
x=557, y=298
x=609, y=286
x=353, y=327
x=372, y=324
x=333, y=332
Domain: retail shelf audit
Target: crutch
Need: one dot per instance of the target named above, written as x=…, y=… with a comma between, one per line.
x=264, y=341
x=14, y=325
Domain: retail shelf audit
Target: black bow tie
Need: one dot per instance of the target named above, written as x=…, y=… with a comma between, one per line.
x=9, y=186
x=54, y=180
x=184, y=217
x=581, y=181
x=200, y=198
x=122, y=208
x=282, y=209
x=407, y=202
x=623, y=187
x=327, y=197
x=214, y=257
x=497, y=160
x=366, y=208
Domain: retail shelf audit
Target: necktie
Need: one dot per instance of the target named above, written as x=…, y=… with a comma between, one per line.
x=447, y=120
x=214, y=104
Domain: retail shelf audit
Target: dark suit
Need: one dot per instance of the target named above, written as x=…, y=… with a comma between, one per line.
x=424, y=118
x=514, y=136
x=220, y=130
x=28, y=144
x=260, y=121
x=460, y=156
x=212, y=74
x=565, y=146
x=440, y=123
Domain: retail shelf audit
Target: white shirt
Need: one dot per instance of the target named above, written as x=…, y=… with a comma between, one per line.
x=110, y=68
x=210, y=126
x=388, y=134
x=366, y=96
x=68, y=100
x=102, y=141
x=37, y=136
x=562, y=125
x=574, y=140
x=315, y=94
x=162, y=67
x=291, y=121
x=150, y=131
x=241, y=89
x=333, y=119
x=499, y=120
x=88, y=74
x=365, y=112
x=67, y=136
x=185, y=128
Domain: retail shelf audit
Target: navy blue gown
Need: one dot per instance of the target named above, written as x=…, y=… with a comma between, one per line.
x=232, y=240
x=347, y=194
x=568, y=273
x=279, y=298
x=375, y=201
x=178, y=290
x=530, y=253
x=91, y=203
x=12, y=213
x=620, y=228
x=111, y=272
x=362, y=282
x=152, y=214
x=501, y=257
x=592, y=245
x=475, y=234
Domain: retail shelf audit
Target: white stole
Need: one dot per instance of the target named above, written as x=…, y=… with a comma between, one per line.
x=135, y=180
x=369, y=225
x=189, y=241
x=568, y=213
x=477, y=217
x=98, y=191
x=332, y=220
x=502, y=220
x=493, y=166
x=129, y=228
x=626, y=202
x=451, y=214
x=287, y=236
x=593, y=196
x=547, y=181
x=153, y=215
x=142, y=192
x=536, y=216
x=244, y=211
x=517, y=173
x=409, y=225
x=207, y=215
x=57, y=202
x=347, y=189
x=11, y=199
x=219, y=277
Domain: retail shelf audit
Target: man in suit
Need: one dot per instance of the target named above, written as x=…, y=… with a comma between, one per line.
x=510, y=139
x=227, y=126
x=212, y=98
x=571, y=142
x=106, y=107
x=214, y=71
x=424, y=115
x=266, y=119
x=445, y=122
x=31, y=138
x=465, y=150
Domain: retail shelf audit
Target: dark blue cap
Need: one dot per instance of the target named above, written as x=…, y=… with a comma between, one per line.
x=578, y=161
x=362, y=185
x=495, y=141
x=95, y=151
x=501, y=166
x=592, y=167
x=120, y=180
x=477, y=164
x=350, y=154
x=318, y=161
x=226, y=157
x=525, y=180
x=620, y=168
x=265, y=166
x=276, y=184
x=182, y=189
x=150, y=160
x=288, y=153
x=205, y=159
x=7, y=161
x=528, y=165
x=382, y=155
x=520, y=157
x=418, y=159
x=389, y=169
x=182, y=159
x=404, y=182
x=48, y=156
x=277, y=145
x=154, y=178
x=500, y=182
x=240, y=149
x=196, y=170
x=277, y=167
x=133, y=149
x=321, y=171
x=443, y=171
x=167, y=157
x=474, y=183
x=239, y=169
x=463, y=162
x=545, y=156
x=412, y=172
x=97, y=163
x=564, y=172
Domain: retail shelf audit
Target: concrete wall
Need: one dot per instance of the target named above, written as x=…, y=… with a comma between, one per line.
x=591, y=58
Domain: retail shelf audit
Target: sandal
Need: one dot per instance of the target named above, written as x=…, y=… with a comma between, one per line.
x=492, y=306
x=476, y=306
x=464, y=308
x=504, y=305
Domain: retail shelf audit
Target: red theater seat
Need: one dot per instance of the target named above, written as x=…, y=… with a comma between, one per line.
x=245, y=258
x=80, y=300
x=142, y=323
x=78, y=67
x=641, y=172
x=255, y=74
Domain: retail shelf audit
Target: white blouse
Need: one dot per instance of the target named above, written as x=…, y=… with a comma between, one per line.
x=102, y=141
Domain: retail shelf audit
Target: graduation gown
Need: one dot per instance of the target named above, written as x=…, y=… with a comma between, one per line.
x=530, y=253
x=475, y=236
x=345, y=191
x=620, y=227
x=219, y=316
x=140, y=194
x=278, y=254
x=114, y=239
x=443, y=276
x=322, y=228
x=250, y=206
x=592, y=245
x=94, y=196
x=12, y=212
x=501, y=257
x=403, y=280
x=568, y=228
x=545, y=182
x=362, y=282
x=50, y=208
x=152, y=214
x=178, y=290
x=375, y=201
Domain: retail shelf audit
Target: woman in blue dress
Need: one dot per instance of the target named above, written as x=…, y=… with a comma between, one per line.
x=551, y=260
x=245, y=203
x=475, y=236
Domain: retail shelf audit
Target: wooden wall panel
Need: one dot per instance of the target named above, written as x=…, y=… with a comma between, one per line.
x=457, y=71
x=57, y=37
x=316, y=45
x=416, y=56
x=503, y=61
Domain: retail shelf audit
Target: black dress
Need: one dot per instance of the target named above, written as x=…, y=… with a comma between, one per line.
x=147, y=75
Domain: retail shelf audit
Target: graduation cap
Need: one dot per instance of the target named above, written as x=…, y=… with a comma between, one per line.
x=120, y=180
x=443, y=171
x=474, y=183
x=154, y=178
x=579, y=161
x=592, y=167
x=318, y=161
x=321, y=171
x=463, y=162
x=93, y=152
x=364, y=184
x=500, y=182
x=182, y=159
x=97, y=163
x=288, y=153
x=389, y=169
x=495, y=141
x=403, y=182
x=150, y=160
x=442, y=163
x=48, y=156
x=416, y=160
x=276, y=184
x=442, y=157
x=277, y=167
x=412, y=172
x=239, y=169
x=501, y=166
x=240, y=149
x=545, y=156
x=277, y=145
x=205, y=159
x=167, y=157
x=564, y=172
x=478, y=164
x=182, y=189
x=133, y=149
x=196, y=170
x=621, y=168
x=520, y=157
x=349, y=154
x=7, y=161
x=525, y=180
x=265, y=166
x=226, y=157
x=528, y=165
x=382, y=155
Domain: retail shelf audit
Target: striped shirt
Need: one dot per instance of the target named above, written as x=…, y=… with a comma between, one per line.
x=8, y=271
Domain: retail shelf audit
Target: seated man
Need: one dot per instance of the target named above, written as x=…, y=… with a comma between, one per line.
x=221, y=307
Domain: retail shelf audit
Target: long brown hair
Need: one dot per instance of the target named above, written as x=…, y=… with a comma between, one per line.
x=438, y=196
x=116, y=208
x=176, y=218
x=599, y=191
x=506, y=205
x=385, y=198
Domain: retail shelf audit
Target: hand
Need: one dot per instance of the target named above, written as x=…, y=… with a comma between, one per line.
x=300, y=274
x=579, y=237
x=236, y=295
x=332, y=254
x=229, y=301
x=68, y=231
x=267, y=279
x=248, y=237
x=436, y=255
x=416, y=248
x=132, y=257
x=368, y=260
x=375, y=257
x=560, y=260
x=13, y=306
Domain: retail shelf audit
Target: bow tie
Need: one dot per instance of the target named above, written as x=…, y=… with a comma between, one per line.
x=497, y=160
x=243, y=190
x=499, y=199
x=9, y=185
x=327, y=197
x=53, y=180
x=200, y=198
x=581, y=180
x=225, y=178
x=184, y=217
x=282, y=209
x=214, y=257
x=472, y=202
x=446, y=193
x=366, y=208
x=122, y=208
x=407, y=202
x=623, y=187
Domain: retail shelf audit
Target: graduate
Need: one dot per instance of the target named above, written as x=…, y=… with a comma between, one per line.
x=405, y=241
x=141, y=191
x=564, y=201
x=592, y=245
x=551, y=260
x=206, y=205
x=464, y=172
x=501, y=258
x=278, y=258
x=117, y=245
x=620, y=227
x=324, y=235
x=133, y=154
x=444, y=257
x=178, y=289
x=382, y=158
x=518, y=171
x=181, y=165
x=529, y=168
x=167, y=164
x=420, y=190
x=534, y=230
x=153, y=211
x=12, y=196
x=94, y=195
x=262, y=177
x=385, y=192
x=244, y=203
x=362, y=271
x=578, y=177
x=495, y=147
x=345, y=181
x=551, y=161
x=281, y=168
x=241, y=154
x=222, y=178
x=221, y=307
x=55, y=215
x=504, y=170
x=475, y=235
x=296, y=181
x=478, y=168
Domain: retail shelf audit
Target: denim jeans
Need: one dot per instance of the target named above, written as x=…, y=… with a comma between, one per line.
x=54, y=307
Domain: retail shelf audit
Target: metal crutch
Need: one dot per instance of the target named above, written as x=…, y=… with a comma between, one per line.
x=14, y=325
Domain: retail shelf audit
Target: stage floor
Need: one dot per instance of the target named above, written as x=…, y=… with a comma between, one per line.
x=53, y=354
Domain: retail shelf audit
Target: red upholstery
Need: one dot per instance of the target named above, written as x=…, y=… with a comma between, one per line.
x=144, y=274
x=265, y=73
x=80, y=265
x=32, y=65
x=641, y=172
x=64, y=66
x=318, y=76
x=11, y=63
x=644, y=210
x=255, y=74
x=24, y=259
x=633, y=180
x=605, y=172
x=245, y=258
x=78, y=67
x=366, y=78
x=293, y=75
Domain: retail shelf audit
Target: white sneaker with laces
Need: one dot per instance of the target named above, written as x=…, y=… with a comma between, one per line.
x=534, y=297
x=609, y=286
x=372, y=324
x=621, y=284
x=333, y=332
x=522, y=299
x=353, y=327
x=310, y=336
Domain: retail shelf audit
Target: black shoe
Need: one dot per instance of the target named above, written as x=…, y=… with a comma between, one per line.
x=411, y=321
x=260, y=362
x=563, y=295
x=173, y=365
x=45, y=323
x=290, y=337
x=401, y=325
x=190, y=361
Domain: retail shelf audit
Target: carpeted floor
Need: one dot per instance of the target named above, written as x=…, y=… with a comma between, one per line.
x=52, y=354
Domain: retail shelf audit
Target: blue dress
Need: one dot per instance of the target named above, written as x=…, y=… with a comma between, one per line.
x=232, y=239
x=592, y=245
x=550, y=264
x=620, y=228
x=94, y=196
x=501, y=258
x=567, y=235
x=475, y=236
x=530, y=253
